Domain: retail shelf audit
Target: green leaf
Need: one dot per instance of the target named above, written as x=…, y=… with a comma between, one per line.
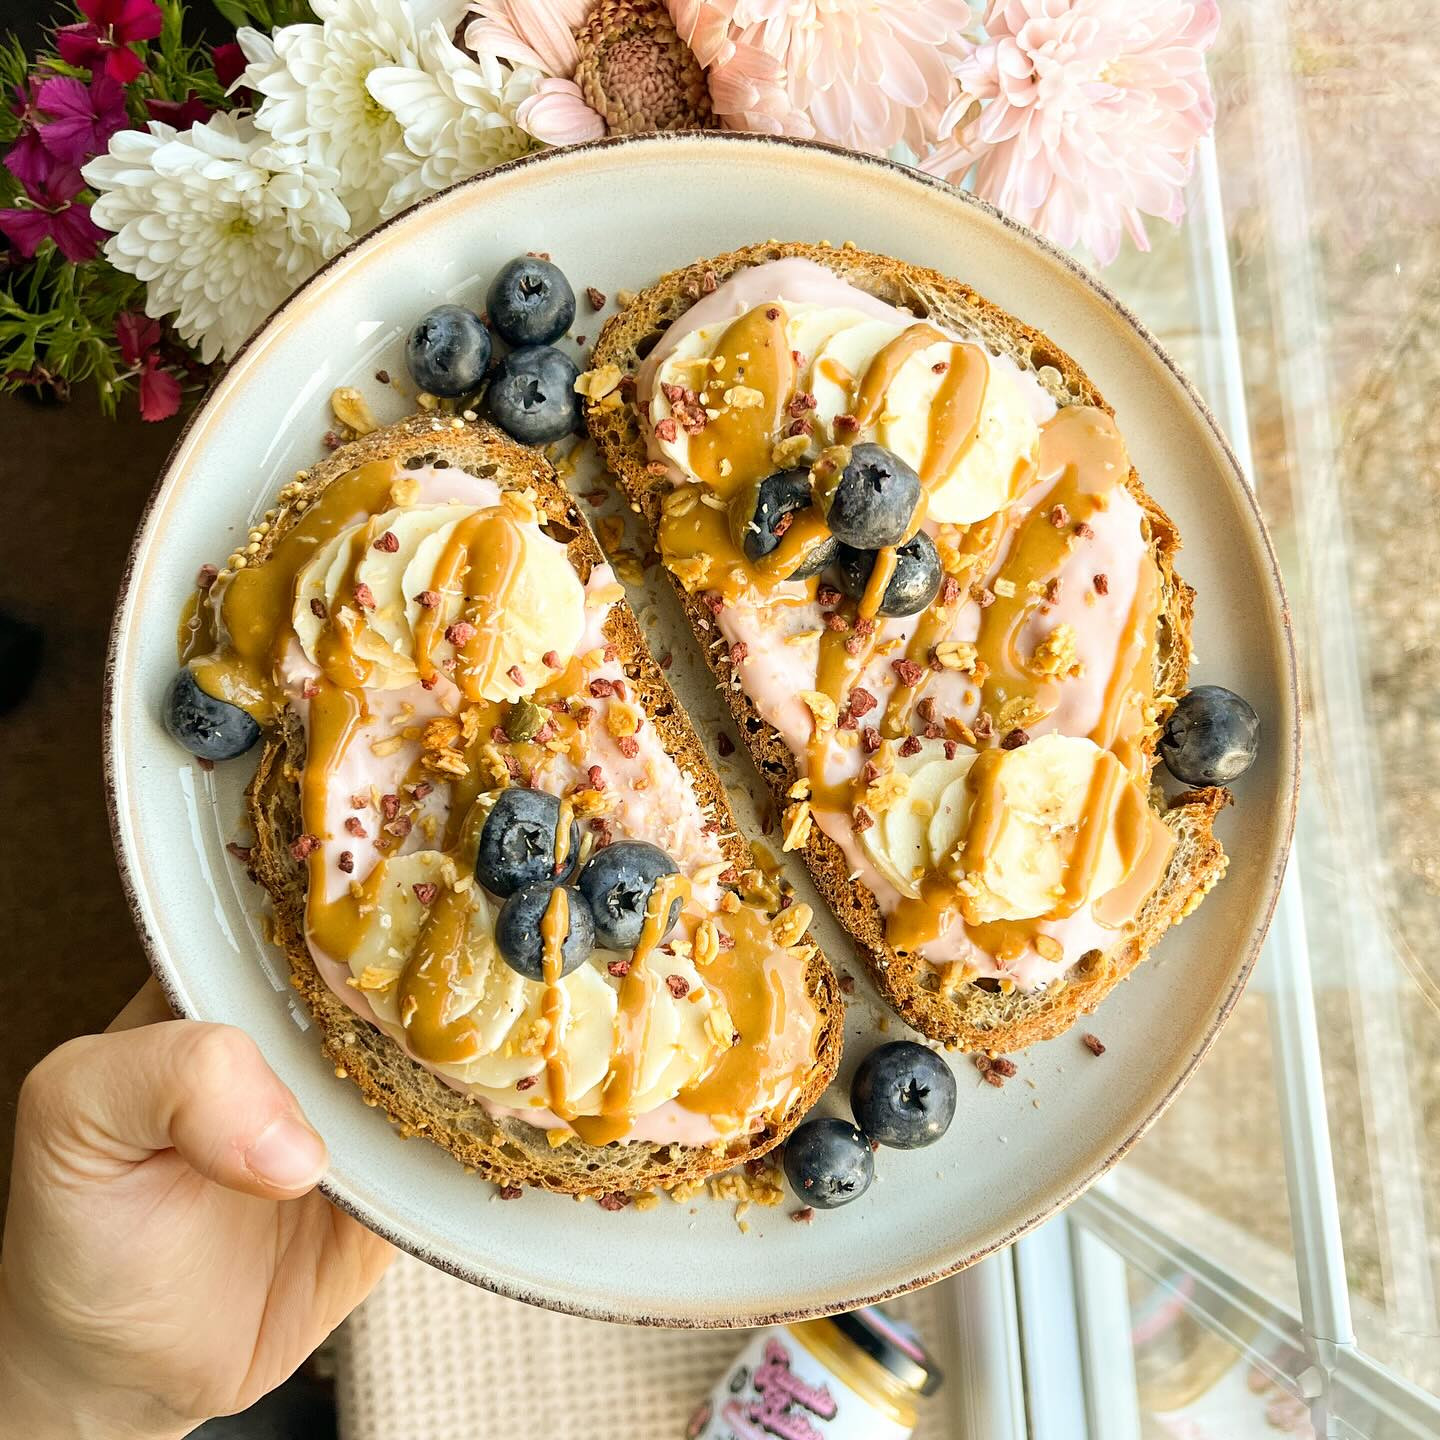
x=178, y=68
x=60, y=318
x=14, y=67
x=265, y=14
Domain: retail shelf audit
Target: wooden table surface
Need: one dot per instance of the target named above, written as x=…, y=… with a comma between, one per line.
x=74, y=484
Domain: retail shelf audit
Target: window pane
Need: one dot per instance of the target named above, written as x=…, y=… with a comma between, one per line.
x=1327, y=156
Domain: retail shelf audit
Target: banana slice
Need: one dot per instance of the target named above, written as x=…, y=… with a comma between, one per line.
x=390, y=932
x=587, y=1028
x=837, y=366
x=385, y=571
x=899, y=842
x=310, y=586
x=419, y=576
x=1006, y=445
x=948, y=823
x=811, y=327
x=1044, y=791
x=694, y=1046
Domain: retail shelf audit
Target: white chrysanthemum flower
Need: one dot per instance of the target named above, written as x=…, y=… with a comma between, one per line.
x=457, y=114
x=313, y=80
x=220, y=222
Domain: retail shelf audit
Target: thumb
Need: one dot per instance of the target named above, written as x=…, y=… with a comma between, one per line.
x=102, y=1104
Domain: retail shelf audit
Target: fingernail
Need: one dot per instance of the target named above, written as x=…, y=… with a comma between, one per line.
x=288, y=1155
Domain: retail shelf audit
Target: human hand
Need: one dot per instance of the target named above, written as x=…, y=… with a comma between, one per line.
x=166, y=1256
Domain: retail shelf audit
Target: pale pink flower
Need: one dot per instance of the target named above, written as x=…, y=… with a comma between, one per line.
x=540, y=34
x=1089, y=114
x=866, y=74
x=556, y=113
x=537, y=33
x=747, y=83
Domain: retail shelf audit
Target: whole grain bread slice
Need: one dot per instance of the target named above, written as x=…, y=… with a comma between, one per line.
x=506, y=1151
x=975, y=1015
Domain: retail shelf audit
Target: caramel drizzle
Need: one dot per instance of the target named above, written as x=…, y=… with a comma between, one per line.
x=955, y=412
x=252, y=608
x=1082, y=452
x=633, y=1017
x=754, y=352
x=887, y=363
x=479, y=562
x=555, y=1004
x=428, y=990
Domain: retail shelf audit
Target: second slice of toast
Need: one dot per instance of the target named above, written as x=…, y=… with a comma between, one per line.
x=976, y=1014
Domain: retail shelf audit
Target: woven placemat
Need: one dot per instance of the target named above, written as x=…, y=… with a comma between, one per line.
x=428, y=1357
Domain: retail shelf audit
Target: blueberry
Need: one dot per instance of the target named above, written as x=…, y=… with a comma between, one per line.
x=532, y=395
x=828, y=1163
x=915, y=583
x=448, y=352
x=1211, y=737
x=517, y=843
x=210, y=728
x=530, y=302
x=617, y=882
x=517, y=931
x=903, y=1095
x=783, y=494
x=875, y=499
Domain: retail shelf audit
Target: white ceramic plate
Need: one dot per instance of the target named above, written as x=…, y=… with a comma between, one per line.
x=614, y=215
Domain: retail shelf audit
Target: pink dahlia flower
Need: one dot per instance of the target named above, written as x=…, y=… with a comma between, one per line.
x=866, y=74
x=1089, y=114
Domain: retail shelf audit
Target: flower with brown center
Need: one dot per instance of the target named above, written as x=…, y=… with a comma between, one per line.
x=637, y=73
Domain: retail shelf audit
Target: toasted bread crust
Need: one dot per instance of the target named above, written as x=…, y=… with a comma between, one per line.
x=508, y=1152
x=972, y=1016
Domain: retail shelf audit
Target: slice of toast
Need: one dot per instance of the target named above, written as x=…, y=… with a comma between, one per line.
x=976, y=1015
x=506, y=1151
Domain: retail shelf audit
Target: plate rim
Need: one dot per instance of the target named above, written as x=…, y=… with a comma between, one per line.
x=335, y=1191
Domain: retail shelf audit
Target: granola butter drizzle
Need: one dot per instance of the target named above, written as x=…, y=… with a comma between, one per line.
x=336, y=926
x=843, y=656
x=555, y=1005
x=764, y=1070
x=479, y=562
x=974, y=553
x=955, y=412
x=639, y=991
x=438, y=1030
x=753, y=359
x=698, y=543
x=1083, y=456
x=889, y=360
x=233, y=637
